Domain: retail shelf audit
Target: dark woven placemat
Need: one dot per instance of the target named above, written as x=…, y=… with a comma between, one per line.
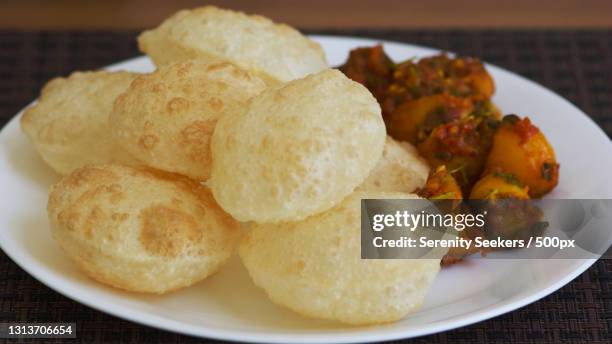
x=578, y=65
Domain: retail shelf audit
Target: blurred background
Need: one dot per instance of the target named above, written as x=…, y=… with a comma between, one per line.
x=306, y=14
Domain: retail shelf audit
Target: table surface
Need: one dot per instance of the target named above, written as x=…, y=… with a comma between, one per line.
x=575, y=64
x=398, y=14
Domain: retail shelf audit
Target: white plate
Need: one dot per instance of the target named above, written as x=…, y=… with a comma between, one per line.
x=229, y=306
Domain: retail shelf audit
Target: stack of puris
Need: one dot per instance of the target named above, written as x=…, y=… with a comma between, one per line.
x=251, y=110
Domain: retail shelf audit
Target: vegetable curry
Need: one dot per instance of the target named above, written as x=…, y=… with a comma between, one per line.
x=442, y=105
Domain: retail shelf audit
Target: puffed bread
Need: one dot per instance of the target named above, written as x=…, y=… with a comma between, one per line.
x=400, y=169
x=68, y=125
x=314, y=267
x=140, y=229
x=276, y=52
x=297, y=150
x=166, y=118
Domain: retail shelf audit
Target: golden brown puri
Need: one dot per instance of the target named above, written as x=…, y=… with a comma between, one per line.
x=314, y=267
x=275, y=52
x=400, y=169
x=297, y=150
x=69, y=124
x=166, y=118
x=140, y=229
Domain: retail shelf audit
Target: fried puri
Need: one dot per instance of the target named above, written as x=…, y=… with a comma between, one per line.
x=314, y=267
x=166, y=118
x=68, y=125
x=297, y=150
x=276, y=52
x=400, y=169
x=140, y=229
